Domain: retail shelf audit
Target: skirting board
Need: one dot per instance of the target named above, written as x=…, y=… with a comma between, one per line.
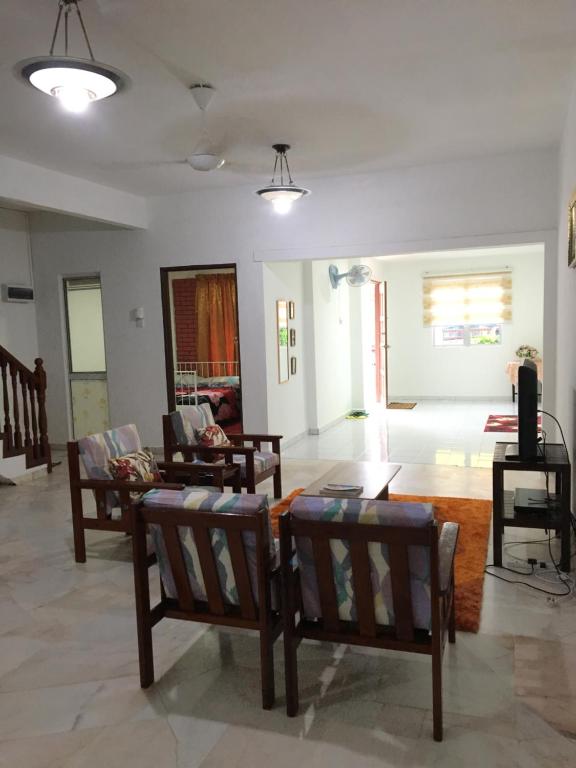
x=319, y=430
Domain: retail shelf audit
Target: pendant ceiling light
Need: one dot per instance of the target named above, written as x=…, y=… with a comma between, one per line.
x=279, y=192
x=75, y=82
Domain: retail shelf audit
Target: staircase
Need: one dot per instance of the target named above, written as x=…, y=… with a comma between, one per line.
x=24, y=447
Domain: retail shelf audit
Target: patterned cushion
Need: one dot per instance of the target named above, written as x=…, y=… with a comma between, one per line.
x=188, y=419
x=262, y=461
x=137, y=466
x=365, y=512
x=205, y=500
x=97, y=450
x=211, y=437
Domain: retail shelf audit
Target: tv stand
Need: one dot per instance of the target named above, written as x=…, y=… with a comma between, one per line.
x=512, y=453
x=555, y=516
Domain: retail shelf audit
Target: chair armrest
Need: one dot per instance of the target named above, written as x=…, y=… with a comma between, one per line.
x=446, y=552
x=263, y=438
x=194, y=469
x=130, y=485
x=227, y=450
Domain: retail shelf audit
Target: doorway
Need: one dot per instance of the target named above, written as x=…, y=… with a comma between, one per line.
x=87, y=378
x=381, y=341
x=201, y=340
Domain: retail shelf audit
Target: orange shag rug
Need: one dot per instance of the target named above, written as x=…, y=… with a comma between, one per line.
x=473, y=515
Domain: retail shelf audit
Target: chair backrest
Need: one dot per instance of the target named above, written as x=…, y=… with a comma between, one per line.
x=189, y=418
x=96, y=450
x=365, y=561
x=212, y=548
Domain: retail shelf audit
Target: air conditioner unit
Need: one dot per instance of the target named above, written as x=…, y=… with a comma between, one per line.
x=23, y=294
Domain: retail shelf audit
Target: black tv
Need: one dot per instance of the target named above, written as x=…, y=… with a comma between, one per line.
x=527, y=449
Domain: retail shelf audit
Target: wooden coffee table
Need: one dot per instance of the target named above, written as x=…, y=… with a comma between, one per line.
x=375, y=476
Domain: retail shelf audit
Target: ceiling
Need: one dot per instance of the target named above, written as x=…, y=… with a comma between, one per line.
x=353, y=85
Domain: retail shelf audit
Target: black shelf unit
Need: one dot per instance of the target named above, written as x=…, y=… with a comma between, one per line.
x=557, y=464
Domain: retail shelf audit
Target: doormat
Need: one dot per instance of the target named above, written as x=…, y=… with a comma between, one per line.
x=505, y=423
x=473, y=516
x=357, y=415
x=401, y=406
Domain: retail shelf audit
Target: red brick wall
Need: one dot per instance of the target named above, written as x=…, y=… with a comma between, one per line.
x=184, y=296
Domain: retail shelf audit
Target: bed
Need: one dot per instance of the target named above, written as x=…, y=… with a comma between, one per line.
x=215, y=383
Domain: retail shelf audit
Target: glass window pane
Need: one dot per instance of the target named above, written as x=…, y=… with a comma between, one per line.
x=485, y=334
x=85, y=326
x=449, y=336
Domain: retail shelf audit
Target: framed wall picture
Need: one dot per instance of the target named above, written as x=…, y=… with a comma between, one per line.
x=293, y=366
x=292, y=337
x=291, y=310
x=572, y=232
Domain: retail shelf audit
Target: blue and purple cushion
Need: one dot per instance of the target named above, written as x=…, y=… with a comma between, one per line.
x=97, y=450
x=191, y=419
x=370, y=513
x=188, y=419
x=205, y=500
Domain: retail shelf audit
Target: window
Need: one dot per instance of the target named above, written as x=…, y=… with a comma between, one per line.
x=467, y=310
x=467, y=335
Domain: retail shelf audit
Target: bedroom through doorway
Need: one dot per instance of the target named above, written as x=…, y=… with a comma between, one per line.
x=201, y=340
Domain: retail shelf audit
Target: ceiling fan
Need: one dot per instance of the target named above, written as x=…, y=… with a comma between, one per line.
x=203, y=156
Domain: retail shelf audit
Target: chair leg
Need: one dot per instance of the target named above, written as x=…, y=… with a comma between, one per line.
x=267, y=669
x=78, y=530
x=452, y=619
x=291, y=674
x=145, y=656
x=277, y=484
x=437, y=693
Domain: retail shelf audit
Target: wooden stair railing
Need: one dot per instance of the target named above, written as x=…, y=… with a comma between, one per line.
x=24, y=397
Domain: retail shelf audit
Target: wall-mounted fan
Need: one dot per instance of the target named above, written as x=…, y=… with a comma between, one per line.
x=357, y=276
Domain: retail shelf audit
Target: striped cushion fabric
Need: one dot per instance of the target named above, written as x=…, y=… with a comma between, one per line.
x=205, y=500
x=188, y=419
x=97, y=450
x=365, y=512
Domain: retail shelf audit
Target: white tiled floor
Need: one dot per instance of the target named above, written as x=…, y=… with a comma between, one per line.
x=69, y=688
x=449, y=432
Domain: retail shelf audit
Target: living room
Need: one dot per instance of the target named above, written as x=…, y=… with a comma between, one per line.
x=411, y=163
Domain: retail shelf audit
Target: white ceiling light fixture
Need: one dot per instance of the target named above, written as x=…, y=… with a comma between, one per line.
x=75, y=82
x=203, y=158
x=280, y=193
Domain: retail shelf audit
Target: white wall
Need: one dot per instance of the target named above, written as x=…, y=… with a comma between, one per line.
x=327, y=323
x=287, y=413
x=32, y=185
x=566, y=346
x=332, y=339
x=485, y=201
x=17, y=321
x=417, y=368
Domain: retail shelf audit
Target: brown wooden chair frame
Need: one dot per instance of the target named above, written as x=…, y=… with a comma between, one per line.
x=171, y=471
x=403, y=636
x=249, y=614
x=253, y=478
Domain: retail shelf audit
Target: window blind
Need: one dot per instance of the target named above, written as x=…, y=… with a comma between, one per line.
x=467, y=299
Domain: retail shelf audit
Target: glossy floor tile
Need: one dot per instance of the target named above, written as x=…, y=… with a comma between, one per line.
x=69, y=687
x=443, y=432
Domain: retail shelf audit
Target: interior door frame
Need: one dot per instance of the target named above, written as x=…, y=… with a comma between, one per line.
x=381, y=298
x=167, y=323
x=72, y=375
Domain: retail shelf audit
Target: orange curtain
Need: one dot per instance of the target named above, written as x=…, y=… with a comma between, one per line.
x=217, y=330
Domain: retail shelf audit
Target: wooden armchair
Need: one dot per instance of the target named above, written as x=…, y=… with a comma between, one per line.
x=395, y=579
x=255, y=465
x=217, y=565
x=113, y=499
